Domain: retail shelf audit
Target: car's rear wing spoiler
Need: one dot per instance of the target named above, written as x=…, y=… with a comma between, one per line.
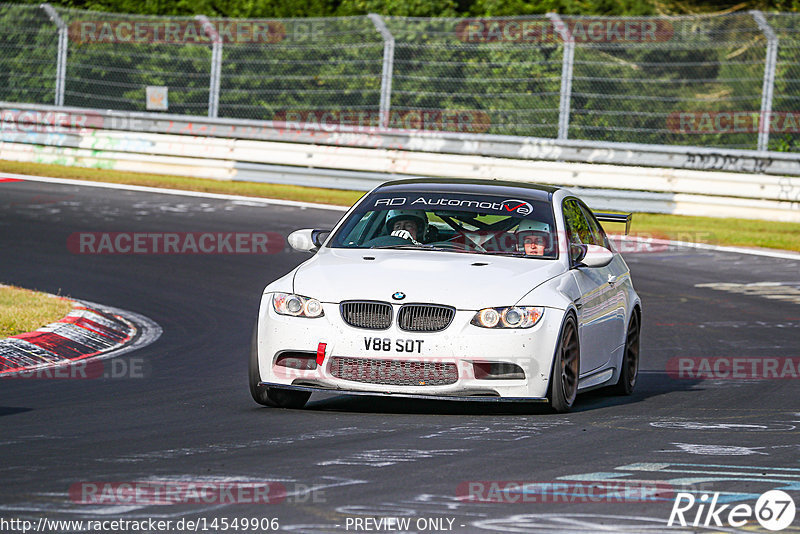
x=616, y=217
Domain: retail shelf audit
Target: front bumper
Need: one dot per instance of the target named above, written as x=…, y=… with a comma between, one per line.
x=459, y=345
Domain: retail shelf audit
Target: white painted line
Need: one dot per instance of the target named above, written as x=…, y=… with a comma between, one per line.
x=754, y=467
x=179, y=192
x=664, y=468
x=293, y=203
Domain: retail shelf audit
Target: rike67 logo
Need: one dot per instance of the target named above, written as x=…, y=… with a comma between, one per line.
x=774, y=510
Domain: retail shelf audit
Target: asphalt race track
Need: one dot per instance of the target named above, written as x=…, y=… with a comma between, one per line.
x=188, y=416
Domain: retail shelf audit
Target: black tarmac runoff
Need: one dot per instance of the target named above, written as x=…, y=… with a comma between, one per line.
x=170, y=433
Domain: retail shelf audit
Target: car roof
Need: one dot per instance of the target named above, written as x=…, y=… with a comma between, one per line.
x=470, y=186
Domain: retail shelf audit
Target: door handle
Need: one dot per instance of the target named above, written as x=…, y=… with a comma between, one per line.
x=612, y=279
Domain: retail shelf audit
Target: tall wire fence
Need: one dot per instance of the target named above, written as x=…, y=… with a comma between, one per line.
x=729, y=81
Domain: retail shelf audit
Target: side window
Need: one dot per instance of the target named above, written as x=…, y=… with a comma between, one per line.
x=578, y=231
x=598, y=235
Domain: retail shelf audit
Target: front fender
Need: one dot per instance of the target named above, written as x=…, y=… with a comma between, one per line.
x=560, y=293
x=282, y=284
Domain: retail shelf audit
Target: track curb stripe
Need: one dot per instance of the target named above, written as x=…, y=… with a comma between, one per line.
x=92, y=326
x=83, y=333
x=104, y=319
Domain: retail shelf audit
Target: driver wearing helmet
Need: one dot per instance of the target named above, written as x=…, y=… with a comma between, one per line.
x=408, y=224
x=533, y=237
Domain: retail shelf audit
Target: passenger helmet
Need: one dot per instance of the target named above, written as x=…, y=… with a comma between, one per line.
x=531, y=227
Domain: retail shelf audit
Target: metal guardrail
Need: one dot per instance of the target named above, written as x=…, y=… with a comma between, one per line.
x=254, y=151
x=15, y=116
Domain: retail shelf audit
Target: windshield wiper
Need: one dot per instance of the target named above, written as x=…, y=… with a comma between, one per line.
x=408, y=246
x=419, y=246
x=506, y=253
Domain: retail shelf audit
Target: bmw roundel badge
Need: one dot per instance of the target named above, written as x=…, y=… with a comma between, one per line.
x=399, y=295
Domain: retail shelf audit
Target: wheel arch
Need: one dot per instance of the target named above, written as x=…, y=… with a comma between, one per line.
x=571, y=311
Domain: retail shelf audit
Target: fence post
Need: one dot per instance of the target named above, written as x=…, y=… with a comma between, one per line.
x=566, y=74
x=770, y=64
x=61, y=61
x=216, y=65
x=386, y=70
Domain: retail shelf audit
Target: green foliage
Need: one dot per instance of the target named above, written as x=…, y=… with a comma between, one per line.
x=500, y=8
x=27, y=56
x=785, y=143
x=419, y=8
x=211, y=8
x=400, y=8
x=629, y=91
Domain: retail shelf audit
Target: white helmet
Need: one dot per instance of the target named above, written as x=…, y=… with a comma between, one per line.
x=528, y=225
x=418, y=216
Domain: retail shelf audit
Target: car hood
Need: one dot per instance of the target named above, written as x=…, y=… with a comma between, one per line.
x=465, y=281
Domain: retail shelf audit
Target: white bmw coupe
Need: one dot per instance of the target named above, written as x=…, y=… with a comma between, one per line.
x=452, y=289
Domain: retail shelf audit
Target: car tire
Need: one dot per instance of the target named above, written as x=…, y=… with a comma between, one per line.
x=629, y=368
x=259, y=393
x=271, y=396
x=566, y=368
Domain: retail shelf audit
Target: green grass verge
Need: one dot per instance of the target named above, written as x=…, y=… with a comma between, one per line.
x=23, y=310
x=733, y=232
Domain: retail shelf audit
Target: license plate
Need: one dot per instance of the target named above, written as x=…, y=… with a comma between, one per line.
x=386, y=344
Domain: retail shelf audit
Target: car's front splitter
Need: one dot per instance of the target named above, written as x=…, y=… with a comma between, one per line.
x=476, y=396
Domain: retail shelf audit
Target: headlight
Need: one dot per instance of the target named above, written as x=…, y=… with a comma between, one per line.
x=511, y=317
x=296, y=306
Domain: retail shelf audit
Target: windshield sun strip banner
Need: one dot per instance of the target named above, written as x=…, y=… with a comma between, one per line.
x=487, y=204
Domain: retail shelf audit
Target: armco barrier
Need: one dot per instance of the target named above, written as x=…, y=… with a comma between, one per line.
x=303, y=155
x=526, y=148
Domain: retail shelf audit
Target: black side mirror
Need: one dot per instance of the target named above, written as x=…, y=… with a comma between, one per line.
x=318, y=237
x=576, y=253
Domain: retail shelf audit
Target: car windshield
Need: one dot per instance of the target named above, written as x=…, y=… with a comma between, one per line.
x=453, y=222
